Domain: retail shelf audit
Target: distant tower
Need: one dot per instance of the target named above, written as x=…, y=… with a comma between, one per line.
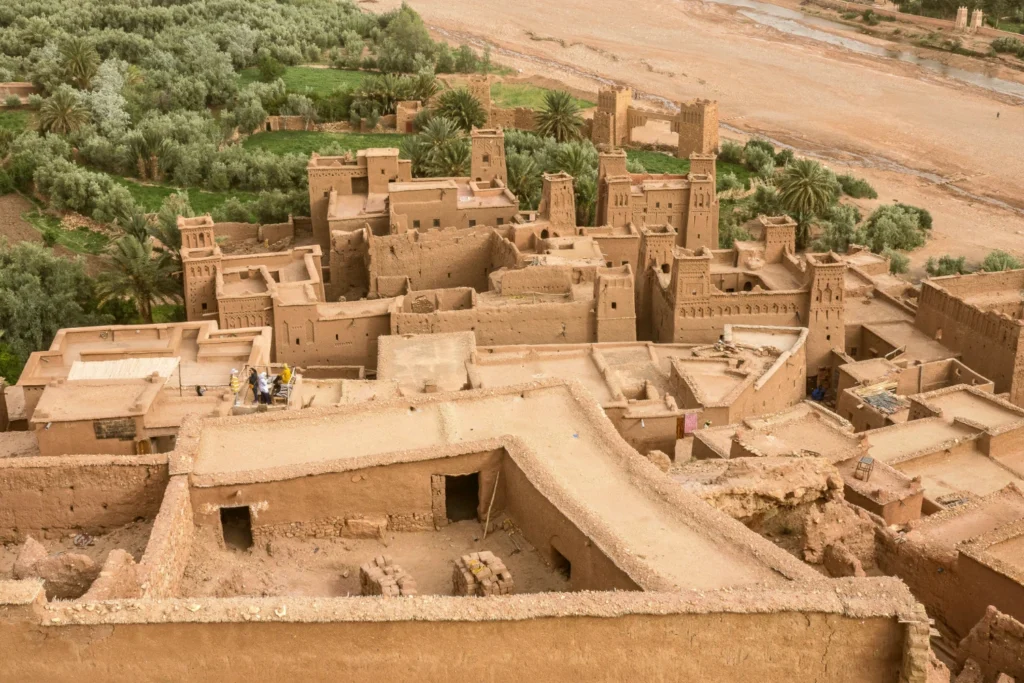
x=690, y=289
x=961, y=19
x=558, y=201
x=614, y=305
x=611, y=120
x=700, y=227
x=488, y=159
x=698, y=128
x=704, y=164
x=825, y=315
x=613, y=189
x=976, y=20
x=479, y=86
x=197, y=232
x=779, y=235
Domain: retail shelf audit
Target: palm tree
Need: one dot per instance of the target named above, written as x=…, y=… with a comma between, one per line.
x=136, y=273
x=80, y=61
x=165, y=230
x=453, y=159
x=424, y=87
x=560, y=117
x=523, y=178
x=460, y=106
x=438, y=132
x=133, y=223
x=806, y=189
x=63, y=112
x=578, y=159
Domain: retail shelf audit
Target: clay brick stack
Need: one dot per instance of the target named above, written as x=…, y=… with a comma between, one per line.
x=481, y=574
x=381, y=576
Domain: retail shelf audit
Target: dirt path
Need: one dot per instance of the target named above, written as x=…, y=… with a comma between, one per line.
x=890, y=118
x=12, y=226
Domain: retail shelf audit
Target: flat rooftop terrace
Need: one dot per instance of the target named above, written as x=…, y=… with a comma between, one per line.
x=554, y=432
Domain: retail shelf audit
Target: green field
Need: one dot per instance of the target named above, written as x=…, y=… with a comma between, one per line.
x=658, y=162
x=307, y=142
x=14, y=119
x=304, y=79
x=150, y=197
x=79, y=240
x=508, y=95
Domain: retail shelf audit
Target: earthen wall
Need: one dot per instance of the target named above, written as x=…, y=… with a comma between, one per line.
x=790, y=645
x=50, y=497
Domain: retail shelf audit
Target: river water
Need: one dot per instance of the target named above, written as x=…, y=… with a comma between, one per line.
x=799, y=24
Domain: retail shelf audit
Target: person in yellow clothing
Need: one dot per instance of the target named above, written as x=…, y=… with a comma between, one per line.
x=286, y=374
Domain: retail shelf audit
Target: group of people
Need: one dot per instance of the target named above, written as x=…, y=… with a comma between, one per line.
x=265, y=389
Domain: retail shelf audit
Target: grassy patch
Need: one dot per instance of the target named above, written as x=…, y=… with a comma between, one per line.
x=150, y=197
x=307, y=142
x=14, y=119
x=304, y=79
x=657, y=162
x=509, y=95
x=79, y=240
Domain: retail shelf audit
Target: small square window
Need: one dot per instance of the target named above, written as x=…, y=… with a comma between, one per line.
x=415, y=224
x=657, y=205
x=437, y=222
x=501, y=221
x=608, y=264
x=670, y=205
x=204, y=307
x=487, y=158
x=472, y=223
x=614, y=305
x=327, y=194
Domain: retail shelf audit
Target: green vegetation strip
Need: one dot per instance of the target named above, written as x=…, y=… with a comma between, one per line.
x=150, y=197
x=307, y=142
x=507, y=95
x=14, y=120
x=658, y=162
x=79, y=240
x=305, y=79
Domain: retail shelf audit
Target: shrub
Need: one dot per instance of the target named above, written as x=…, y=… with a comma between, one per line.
x=857, y=188
x=270, y=69
x=784, y=157
x=870, y=18
x=731, y=153
x=761, y=144
x=12, y=101
x=729, y=231
x=756, y=158
x=728, y=181
x=946, y=265
x=999, y=260
x=894, y=226
x=1010, y=45
x=898, y=263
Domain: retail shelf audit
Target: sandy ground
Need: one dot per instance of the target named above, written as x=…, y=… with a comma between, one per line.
x=888, y=121
x=330, y=566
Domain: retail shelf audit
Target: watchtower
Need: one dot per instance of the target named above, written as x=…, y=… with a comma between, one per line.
x=488, y=155
x=698, y=128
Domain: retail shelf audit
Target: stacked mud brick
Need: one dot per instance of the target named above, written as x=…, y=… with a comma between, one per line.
x=481, y=574
x=382, y=576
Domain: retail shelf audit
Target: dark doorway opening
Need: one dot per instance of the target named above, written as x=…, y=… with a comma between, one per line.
x=237, y=526
x=462, y=497
x=747, y=286
x=561, y=564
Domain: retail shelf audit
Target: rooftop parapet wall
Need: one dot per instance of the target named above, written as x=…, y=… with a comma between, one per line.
x=858, y=631
x=988, y=342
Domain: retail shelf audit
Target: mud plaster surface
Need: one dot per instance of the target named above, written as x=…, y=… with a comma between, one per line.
x=131, y=538
x=570, y=452
x=329, y=567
